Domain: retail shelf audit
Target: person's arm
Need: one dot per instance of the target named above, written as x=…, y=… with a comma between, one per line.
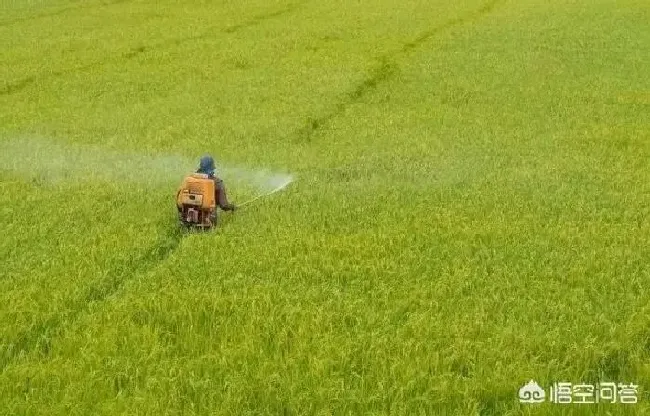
x=221, y=197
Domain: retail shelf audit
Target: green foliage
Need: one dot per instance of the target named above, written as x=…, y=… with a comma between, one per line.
x=471, y=209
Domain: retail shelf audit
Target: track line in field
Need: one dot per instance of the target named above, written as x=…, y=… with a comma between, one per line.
x=39, y=16
x=14, y=87
x=387, y=67
x=40, y=337
x=60, y=11
x=460, y=21
x=381, y=73
x=17, y=86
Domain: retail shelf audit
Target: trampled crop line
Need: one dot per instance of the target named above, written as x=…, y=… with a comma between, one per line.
x=383, y=71
x=11, y=88
x=487, y=8
x=40, y=336
x=60, y=12
x=39, y=16
x=387, y=68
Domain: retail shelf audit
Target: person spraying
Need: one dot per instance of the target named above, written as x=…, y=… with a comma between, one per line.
x=207, y=167
x=200, y=194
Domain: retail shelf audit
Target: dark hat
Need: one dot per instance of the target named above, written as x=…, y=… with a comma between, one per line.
x=207, y=165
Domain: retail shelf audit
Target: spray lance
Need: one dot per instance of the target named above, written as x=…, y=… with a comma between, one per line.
x=277, y=189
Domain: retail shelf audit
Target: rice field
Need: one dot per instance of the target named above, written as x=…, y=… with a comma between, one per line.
x=469, y=208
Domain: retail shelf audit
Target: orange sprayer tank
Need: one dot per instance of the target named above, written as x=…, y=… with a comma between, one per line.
x=197, y=190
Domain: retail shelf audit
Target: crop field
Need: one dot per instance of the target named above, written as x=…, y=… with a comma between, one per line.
x=469, y=207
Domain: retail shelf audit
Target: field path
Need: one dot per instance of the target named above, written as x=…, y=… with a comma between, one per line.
x=18, y=85
x=40, y=336
x=388, y=66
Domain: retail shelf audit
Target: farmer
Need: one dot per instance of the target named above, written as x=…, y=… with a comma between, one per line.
x=207, y=167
